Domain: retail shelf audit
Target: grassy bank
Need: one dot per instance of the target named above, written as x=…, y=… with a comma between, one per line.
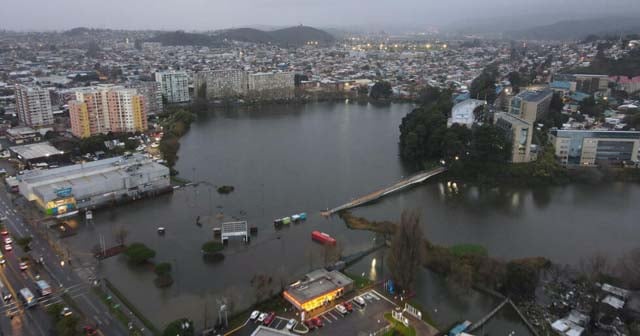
x=467, y=265
x=147, y=323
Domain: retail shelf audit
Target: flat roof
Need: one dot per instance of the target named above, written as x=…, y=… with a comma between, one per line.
x=36, y=150
x=534, y=95
x=317, y=283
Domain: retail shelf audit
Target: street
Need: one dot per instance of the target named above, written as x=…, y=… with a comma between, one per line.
x=15, y=318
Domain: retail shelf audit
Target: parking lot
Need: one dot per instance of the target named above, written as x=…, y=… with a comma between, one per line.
x=361, y=321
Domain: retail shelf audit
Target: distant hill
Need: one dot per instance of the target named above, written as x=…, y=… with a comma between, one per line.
x=247, y=35
x=180, y=38
x=299, y=35
x=579, y=29
x=293, y=36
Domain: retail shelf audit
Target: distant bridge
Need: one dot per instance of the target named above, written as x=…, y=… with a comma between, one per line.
x=415, y=179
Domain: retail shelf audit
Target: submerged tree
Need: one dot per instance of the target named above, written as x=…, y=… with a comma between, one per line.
x=407, y=250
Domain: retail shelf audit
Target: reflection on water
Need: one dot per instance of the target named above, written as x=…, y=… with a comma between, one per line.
x=290, y=159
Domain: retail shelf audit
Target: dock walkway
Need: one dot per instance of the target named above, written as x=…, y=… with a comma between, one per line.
x=405, y=183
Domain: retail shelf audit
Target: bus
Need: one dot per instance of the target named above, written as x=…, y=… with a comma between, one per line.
x=6, y=295
x=43, y=287
x=27, y=297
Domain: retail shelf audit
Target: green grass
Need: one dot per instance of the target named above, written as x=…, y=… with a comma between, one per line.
x=359, y=281
x=116, y=312
x=132, y=308
x=399, y=327
x=462, y=250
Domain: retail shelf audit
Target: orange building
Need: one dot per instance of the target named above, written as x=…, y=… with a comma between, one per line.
x=107, y=108
x=317, y=289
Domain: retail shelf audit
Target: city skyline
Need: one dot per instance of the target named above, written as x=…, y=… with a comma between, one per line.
x=34, y=15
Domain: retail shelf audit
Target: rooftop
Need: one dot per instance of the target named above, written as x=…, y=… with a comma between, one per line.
x=35, y=151
x=534, y=95
x=317, y=283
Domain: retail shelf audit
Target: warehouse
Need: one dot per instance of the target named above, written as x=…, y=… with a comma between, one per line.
x=318, y=288
x=31, y=155
x=87, y=185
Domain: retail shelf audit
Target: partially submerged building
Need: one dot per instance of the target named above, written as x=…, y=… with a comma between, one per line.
x=317, y=288
x=86, y=185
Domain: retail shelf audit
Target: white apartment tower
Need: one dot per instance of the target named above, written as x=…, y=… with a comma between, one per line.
x=174, y=86
x=33, y=105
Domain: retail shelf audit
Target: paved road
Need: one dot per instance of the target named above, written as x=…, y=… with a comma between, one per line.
x=35, y=321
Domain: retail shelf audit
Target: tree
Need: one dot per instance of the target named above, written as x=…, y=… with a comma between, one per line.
x=25, y=243
x=490, y=144
x=629, y=268
x=163, y=273
x=596, y=268
x=484, y=86
x=139, y=253
x=180, y=327
x=120, y=235
x=590, y=107
x=381, y=90
x=407, y=250
x=521, y=280
x=516, y=81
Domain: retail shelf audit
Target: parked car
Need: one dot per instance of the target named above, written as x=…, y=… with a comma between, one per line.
x=8, y=247
x=341, y=309
x=8, y=240
x=254, y=315
x=262, y=316
x=89, y=331
x=267, y=321
x=23, y=265
x=359, y=301
x=348, y=306
x=310, y=324
x=317, y=322
x=291, y=324
x=66, y=311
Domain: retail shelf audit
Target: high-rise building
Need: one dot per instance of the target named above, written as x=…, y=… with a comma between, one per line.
x=221, y=83
x=33, y=105
x=271, y=85
x=152, y=95
x=174, y=86
x=107, y=108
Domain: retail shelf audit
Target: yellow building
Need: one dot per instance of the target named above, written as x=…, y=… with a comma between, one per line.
x=317, y=289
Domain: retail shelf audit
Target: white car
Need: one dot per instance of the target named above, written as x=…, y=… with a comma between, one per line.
x=291, y=324
x=341, y=309
x=254, y=315
x=359, y=301
x=23, y=265
x=8, y=240
x=262, y=317
x=8, y=247
x=66, y=311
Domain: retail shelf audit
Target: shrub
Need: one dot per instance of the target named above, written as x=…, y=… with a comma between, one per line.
x=139, y=253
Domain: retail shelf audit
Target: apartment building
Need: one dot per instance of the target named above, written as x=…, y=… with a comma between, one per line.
x=530, y=105
x=33, y=105
x=221, y=83
x=274, y=84
x=595, y=147
x=107, y=108
x=174, y=86
x=152, y=94
x=520, y=132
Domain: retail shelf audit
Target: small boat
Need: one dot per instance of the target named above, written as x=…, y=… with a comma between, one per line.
x=295, y=218
x=286, y=220
x=277, y=222
x=303, y=216
x=322, y=238
x=161, y=230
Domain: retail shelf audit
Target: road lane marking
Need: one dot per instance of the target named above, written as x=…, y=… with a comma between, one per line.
x=326, y=319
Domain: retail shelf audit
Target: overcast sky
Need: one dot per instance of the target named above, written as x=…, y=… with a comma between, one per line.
x=216, y=14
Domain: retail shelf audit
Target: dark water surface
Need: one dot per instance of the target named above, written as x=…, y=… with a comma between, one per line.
x=288, y=159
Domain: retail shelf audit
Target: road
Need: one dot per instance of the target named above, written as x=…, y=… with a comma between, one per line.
x=61, y=276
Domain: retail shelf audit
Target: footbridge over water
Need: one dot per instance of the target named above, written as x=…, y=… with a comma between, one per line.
x=405, y=183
